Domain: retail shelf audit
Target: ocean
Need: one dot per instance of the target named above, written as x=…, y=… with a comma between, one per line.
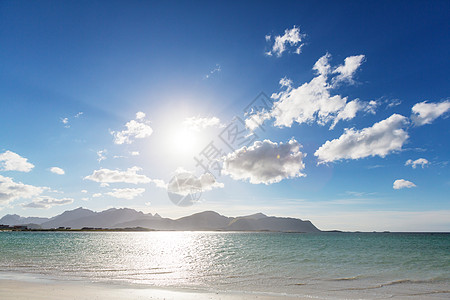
x=322, y=265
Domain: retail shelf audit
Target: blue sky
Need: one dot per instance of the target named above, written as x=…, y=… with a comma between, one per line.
x=120, y=96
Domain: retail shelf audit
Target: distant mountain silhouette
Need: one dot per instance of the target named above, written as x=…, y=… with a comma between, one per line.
x=13, y=220
x=126, y=218
x=68, y=216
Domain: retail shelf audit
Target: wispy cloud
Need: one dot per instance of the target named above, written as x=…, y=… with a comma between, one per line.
x=393, y=103
x=101, y=155
x=199, y=123
x=136, y=129
x=291, y=39
x=216, y=69
x=418, y=162
x=126, y=193
x=47, y=202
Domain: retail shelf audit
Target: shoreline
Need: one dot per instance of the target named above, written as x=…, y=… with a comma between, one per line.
x=23, y=286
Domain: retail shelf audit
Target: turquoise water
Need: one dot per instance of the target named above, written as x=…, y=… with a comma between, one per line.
x=325, y=265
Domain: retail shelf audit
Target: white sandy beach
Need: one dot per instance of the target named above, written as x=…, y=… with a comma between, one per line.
x=76, y=290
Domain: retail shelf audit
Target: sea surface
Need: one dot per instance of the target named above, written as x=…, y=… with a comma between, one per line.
x=323, y=265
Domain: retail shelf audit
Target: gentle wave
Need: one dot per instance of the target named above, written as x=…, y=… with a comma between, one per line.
x=373, y=265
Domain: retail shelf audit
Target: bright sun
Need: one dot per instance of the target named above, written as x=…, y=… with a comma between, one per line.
x=183, y=141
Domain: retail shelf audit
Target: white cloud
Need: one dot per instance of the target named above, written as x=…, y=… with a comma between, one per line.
x=291, y=37
x=348, y=113
x=198, y=123
x=57, y=170
x=393, y=103
x=101, y=155
x=47, y=202
x=379, y=140
x=371, y=107
x=186, y=181
x=159, y=183
x=347, y=70
x=126, y=193
x=10, y=190
x=10, y=161
x=420, y=161
x=65, y=120
x=208, y=182
x=425, y=113
x=313, y=101
x=114, y=176
x=265, y=162
x=216, y=69
x=136, y=129
x=96, y=195
x=134, y=153
x=79, y=114
x=140, y=115
x=402, y=183
x=84, y=191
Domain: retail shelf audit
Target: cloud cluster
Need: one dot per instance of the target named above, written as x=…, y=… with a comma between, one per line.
x=290, y=38
x=10, y=190
x=198, y=123
x=313, y=101
x=379, y=140
x=101, y=155
x=57, y=170
x=402, y=183
x=185, y=183
x=127, y=193
x=265, y=162
x=424, y=113
x=418, y=162
x=115, y=176
x=47, y=202
x=136, y=129
x=10, y=161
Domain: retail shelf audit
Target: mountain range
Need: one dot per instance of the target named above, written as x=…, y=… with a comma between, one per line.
x=129, y=218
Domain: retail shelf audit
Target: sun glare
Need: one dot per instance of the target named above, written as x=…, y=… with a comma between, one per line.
x=183, y=141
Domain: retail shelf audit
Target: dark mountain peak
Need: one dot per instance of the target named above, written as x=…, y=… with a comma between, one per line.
x=156, y=215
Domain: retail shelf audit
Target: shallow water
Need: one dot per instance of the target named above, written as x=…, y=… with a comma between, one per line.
x=324, y=265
